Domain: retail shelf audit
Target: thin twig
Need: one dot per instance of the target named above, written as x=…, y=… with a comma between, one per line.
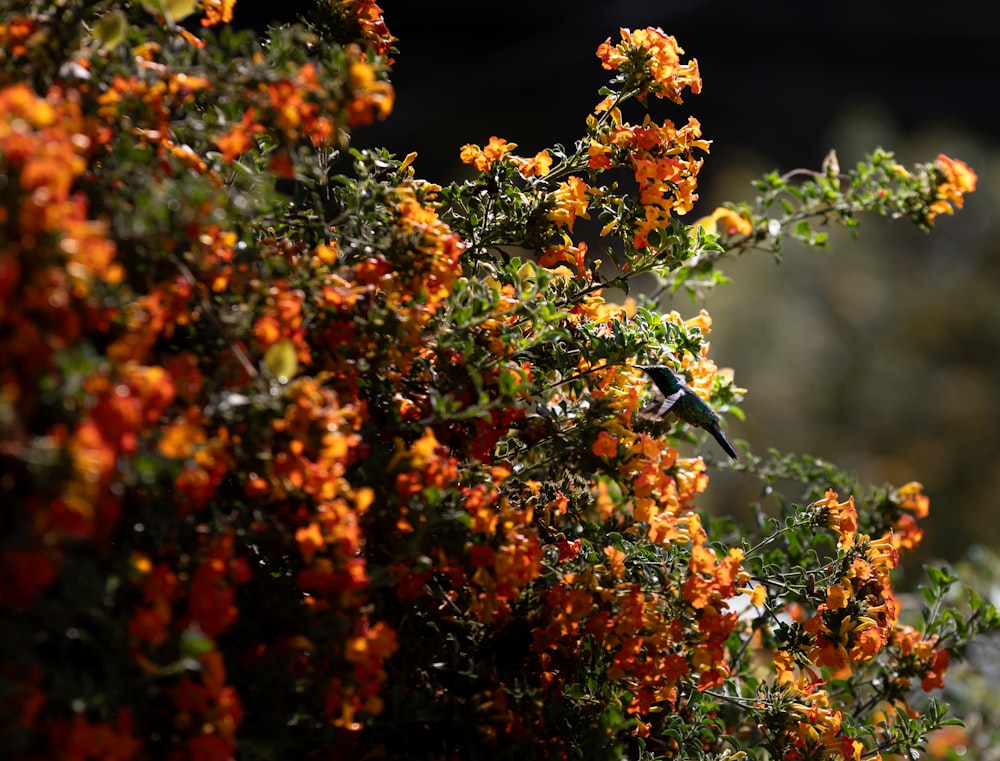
x=241, y=356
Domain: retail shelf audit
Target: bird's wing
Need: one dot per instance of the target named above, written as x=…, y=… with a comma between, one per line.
x=670, y=401
x=659, y=406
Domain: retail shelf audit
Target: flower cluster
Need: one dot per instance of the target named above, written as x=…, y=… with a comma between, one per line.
x=665, y=169
x=300, y=106
x=956, y=179
x=860, y=611
x=649, y=60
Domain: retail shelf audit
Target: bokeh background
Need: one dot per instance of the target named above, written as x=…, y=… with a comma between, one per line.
x=879, y=354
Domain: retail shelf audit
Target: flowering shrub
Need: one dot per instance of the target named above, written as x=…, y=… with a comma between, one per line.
x=305, y=456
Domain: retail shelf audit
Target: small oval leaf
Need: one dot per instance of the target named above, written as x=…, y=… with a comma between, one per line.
x=281, y=362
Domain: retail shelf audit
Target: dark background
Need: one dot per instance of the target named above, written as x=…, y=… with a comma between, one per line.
x=881, y=354
x=776, y=74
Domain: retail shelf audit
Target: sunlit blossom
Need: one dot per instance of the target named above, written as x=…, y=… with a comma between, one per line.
x=483, y=158
x=957, y=179
x=653, y=58
x=570, y=202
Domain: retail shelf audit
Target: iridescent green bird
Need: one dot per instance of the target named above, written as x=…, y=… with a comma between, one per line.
x=686, y=404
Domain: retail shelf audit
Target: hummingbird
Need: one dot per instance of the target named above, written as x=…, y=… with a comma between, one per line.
x=686, y=404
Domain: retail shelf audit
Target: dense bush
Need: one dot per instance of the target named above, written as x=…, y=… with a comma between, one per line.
x=303, y=456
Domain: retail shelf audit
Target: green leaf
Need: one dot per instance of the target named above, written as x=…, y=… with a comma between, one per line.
x=110, y=30
x=173, y=10
x=281, y=361
x=194, y=642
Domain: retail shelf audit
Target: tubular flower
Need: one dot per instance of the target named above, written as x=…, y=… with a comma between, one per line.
x=859, y=613
x=911, y=505
x=663, y=161
x=372, y=97
x=911, y=497
x=373, y=28
x=567, y=253
x=599, y=155
x=537, y=166
x=711, y=581
x=483, y=158
x=570, y=202
x=605, y=445
x=218, y=12
x=652, y=59
x=957, y=179
x=842, y=517
x=920, y=658
x=727, y=222
x=239, y=140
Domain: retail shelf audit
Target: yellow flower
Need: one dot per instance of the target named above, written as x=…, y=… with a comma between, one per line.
x=702, y=322
x=958, y=179
x=910, y=497
x=599, y=155
x=570, y=202
x=724, y=221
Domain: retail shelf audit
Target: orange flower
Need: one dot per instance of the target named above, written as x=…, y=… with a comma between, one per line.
x=616, y=562
x=372, y=96
x=374, y=30
x=310, y=540
x=373, y=645
x=727, y=222
x=840, y=516
x=906, y=535
x=180, y=438
x=518, y=560
x=537, y=166
x=837, y=596
x=957, y=180
x=605, y=446
x=234, y=143
x=599, y=156
x=663, y=162
x=217, y=12
x=483, y=158
x=480, y=501
x=238, y=140
x=112, y=741
x=568, y=253
x=710, y=582
x=664, y=75
x=910, y=497
x=571, y=201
